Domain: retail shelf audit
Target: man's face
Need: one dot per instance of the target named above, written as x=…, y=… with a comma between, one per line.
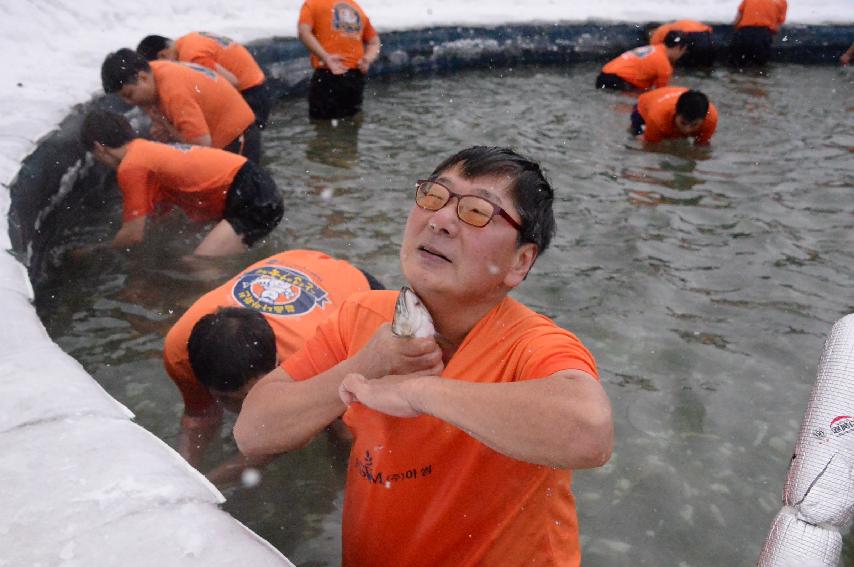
x=443, y=257
x=687, y=128
x=140, y=93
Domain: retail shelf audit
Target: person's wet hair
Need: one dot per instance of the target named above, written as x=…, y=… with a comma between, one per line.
x=107, y=128
x=151, y=45
x=231, y=346
x=692, y=105
x=674, y=39
x=531, y=192
x=121, y=68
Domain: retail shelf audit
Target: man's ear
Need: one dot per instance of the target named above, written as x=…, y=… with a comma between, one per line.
x=523, y=260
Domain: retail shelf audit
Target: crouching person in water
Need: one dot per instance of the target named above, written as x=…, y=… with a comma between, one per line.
x=207, y=184
x=463, y=442
x=674, y=112
x=235, y=334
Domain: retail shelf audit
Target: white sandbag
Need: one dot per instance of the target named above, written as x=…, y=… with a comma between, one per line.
x=63, y=478
x=795, y=543
x=44, y=383
x=820, y=483
x=182, y=535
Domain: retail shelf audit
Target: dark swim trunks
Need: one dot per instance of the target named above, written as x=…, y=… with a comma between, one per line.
x=254, y=205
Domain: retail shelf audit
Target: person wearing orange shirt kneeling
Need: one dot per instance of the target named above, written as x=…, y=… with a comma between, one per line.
x=207, y=184
x=756, y=23
x=642, y=68
x=674, y=112
x=235, y=334
x=221, y=54
x=343, y=45
x=698, y=38
x=464, y=441
x=186, y=102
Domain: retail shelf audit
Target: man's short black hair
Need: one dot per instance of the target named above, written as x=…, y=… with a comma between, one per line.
x=674, y=39
x=692, y=105
x=107, y=128
x=231, y=346
x=151, y=45
x=121, y=68
x=531, y=192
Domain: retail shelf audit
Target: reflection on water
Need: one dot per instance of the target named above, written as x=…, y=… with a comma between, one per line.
x=704, y=280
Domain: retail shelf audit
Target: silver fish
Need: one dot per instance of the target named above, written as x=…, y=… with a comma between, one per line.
x=411, y=318
x=818, y=498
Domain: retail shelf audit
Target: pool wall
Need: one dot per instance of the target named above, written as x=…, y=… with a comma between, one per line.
x=61, y=430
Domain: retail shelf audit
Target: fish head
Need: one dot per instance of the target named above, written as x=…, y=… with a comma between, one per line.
x=411, y=318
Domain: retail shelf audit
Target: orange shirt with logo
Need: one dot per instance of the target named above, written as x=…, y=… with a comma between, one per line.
x=341, y=27
x=685, y=26
x=207, y=50
x=643, y=67
x=293, y=290
x=421, y=492
x=658, y=109
x=198, y=102
x=762, y=13
x=154, y=177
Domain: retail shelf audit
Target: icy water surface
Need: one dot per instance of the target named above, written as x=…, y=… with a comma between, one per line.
x=704, y=281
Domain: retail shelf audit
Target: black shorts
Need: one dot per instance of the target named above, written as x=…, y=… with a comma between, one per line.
x=701, y=50
x=750, y=46
x=335, y=96
x=613, y=82
x=248, y=144
x=258, y=99
x=638, y=123
x=253, y=206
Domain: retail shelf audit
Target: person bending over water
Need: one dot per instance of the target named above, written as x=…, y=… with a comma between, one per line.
x=228, y=58
x=205, y=183
x=237, y=333
x=186, y=102
x=642, y=68
x=674, y=112
x=463, y=442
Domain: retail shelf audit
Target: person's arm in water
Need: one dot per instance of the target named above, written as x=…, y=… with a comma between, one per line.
x=563, y=420
x=130, y=234
x=281, y=414
x=331, y=61
x=231, y=471
x=197, y=432
x=372, y=51
x=846, y=57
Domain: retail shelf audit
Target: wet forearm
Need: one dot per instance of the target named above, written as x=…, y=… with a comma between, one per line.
x=559, y=421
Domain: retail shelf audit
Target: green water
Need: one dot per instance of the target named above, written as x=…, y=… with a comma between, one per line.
x=704, y=281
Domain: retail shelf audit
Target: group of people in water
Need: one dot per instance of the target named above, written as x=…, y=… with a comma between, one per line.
x=666, y=112
x=463, y=442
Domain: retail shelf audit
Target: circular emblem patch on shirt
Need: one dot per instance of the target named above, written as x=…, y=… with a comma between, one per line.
x=346, y=19
x=276, y=290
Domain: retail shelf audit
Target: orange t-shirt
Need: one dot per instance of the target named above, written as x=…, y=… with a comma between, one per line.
x=341, y=27
x=197, y=101
x=685, y=26
x=643, y=67
x=762, y=13
x=154, y=176
x=294, y=290
x=207, y=50
x=658, y=108
x=421, y=492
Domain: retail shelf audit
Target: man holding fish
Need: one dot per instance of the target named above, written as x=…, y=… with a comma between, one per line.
x=463, y=440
